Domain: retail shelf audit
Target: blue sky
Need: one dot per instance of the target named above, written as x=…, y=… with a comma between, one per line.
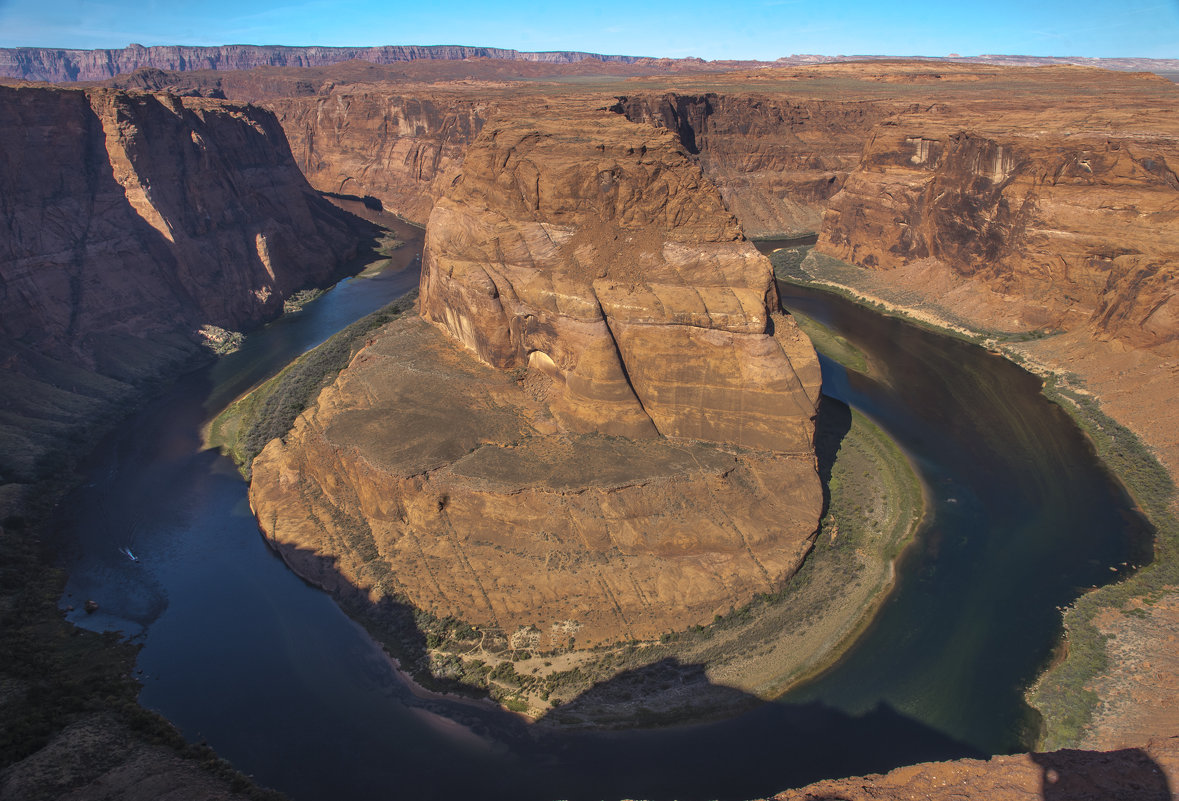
x=716, y=29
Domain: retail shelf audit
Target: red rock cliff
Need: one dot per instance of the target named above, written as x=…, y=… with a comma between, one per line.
x=618, y=272
x=369, y=141
x=49, y=64
x=1075, y=222
x=1051, y=206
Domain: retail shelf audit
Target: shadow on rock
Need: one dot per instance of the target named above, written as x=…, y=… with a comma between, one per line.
x=1128, y=775
x=831, y=426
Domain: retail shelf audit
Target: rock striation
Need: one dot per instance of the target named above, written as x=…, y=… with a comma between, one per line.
x=1146, y=773
x=369, y=142
x=606, y=434
x=128, y=222
x=619, y=274
x=776, y=160
x=1056, y=223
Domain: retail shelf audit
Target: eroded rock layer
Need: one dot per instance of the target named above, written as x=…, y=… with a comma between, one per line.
x=1055, y=221
x=136, y=208
x=53, y=64
x=365, y=141
x=606, y=435
x=617, y=272
x=1138, y=774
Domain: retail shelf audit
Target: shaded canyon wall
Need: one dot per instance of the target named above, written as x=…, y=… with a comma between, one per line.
x=127, y=222
x=777, y=161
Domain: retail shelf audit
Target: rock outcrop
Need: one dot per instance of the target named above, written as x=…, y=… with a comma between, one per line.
x=1030, y=219
x=128, y=222
x=618, y=273
x=1052, y=226
x=605, y=435
x=56, y=65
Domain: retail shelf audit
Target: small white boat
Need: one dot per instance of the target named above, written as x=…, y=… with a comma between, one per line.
x=127, y=552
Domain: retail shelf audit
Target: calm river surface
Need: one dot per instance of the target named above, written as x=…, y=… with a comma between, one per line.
x=240, y=653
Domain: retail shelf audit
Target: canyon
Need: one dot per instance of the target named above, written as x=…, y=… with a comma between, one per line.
x=1037, y=207
x=67, y=65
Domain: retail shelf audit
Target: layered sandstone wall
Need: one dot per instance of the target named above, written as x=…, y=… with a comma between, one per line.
x=1053, y=221
x=371, y=142
x=777, y=161
x=1148, y=773
x=1047, y=216
x=136, y=213
x=127, y=222
x=424, y=475
x=51, y=64
x=1065, y=227
x=606, y=435
x=618, y=272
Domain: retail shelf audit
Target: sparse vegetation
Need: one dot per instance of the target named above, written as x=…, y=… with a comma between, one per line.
x=773, y=641
x=1062, y=694
x=297, y=301
x=269, y=411
x=830, y=344
x=220, y=341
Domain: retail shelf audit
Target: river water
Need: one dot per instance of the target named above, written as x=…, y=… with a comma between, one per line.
x=241, y=654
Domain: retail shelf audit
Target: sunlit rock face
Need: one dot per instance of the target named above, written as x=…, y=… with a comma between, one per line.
x=1061, y=218
x=616, y=271
x=606, y=432
x=1046, y=209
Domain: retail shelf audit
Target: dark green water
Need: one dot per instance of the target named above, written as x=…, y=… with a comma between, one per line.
x=1020, y=522
x=240, y=653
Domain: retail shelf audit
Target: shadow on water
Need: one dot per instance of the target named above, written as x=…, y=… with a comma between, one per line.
x=752, y=755
x=368, y=201
x=1021, y=519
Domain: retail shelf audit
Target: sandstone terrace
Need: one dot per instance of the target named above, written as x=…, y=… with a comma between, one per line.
x=568, y=269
